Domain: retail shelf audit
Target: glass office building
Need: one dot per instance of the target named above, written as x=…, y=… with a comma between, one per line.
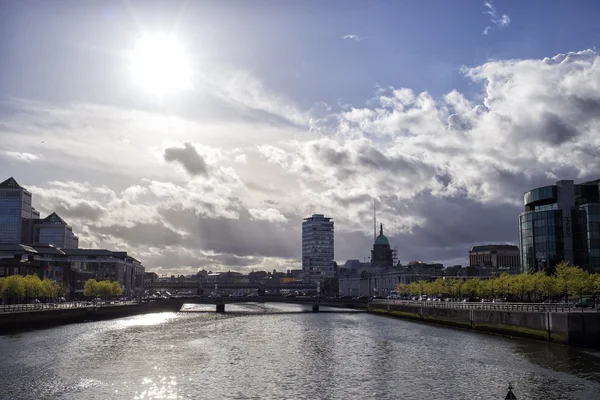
x=561, y=222
x=15, y=212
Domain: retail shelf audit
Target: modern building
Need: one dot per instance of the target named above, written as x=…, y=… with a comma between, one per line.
x=15, y=212
x=502, y=256
x=53, y=230
x=561, y=222
x=318, y=247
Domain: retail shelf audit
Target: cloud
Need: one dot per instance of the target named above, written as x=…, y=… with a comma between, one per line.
x=188, y=157
x=352, y=37
x=21, y=157
x=443, y=169
x=500, y=22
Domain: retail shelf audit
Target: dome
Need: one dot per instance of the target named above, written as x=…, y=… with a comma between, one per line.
x=381, y=239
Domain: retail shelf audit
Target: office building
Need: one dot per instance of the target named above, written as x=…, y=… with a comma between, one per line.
x=318, y=247
x=16, y=212
x=502, y=256
x=561, y=222
x=53, y=230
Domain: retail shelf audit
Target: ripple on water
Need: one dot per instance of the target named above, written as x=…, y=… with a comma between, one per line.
x=255, y=353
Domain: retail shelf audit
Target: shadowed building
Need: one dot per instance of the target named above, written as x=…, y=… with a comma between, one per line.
x=16, y=213
x=382, y=255
x=53, y=230
x=503, y=256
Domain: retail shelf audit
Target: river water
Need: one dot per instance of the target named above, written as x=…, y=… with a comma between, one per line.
x=276, y=351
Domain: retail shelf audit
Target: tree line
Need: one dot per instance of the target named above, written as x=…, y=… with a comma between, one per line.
x=28, y=287
x=567, y=280
x=94, y=288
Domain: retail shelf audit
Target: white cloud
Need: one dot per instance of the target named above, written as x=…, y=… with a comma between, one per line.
x=440, y=167
x=21, y=157
x=352, y=37
x=499, y=21
x=269, y=214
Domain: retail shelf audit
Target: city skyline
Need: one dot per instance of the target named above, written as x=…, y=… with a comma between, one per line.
x=260, y=125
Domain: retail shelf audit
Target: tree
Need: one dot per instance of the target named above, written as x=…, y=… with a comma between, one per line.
x=32, y=285
x=90, y=288
x=115, y=288
x=471, y=288
x=13, y=287
x=50, y=288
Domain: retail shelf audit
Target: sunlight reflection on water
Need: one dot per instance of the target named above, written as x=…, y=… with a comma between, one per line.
x=145, y=320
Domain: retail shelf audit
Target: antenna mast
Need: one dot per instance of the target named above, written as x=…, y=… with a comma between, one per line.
x=374, y=221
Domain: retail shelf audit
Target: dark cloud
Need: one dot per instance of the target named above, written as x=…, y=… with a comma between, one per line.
x=556, y=131
x=187, y=156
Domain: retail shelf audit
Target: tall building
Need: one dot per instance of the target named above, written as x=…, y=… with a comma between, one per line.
x=495, y=255
x=55, y=231
x=317, y=247
x=561, y=222
x=15, y=212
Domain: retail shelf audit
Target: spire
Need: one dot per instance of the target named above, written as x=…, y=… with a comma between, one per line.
x=510, y=395
x=381, y=229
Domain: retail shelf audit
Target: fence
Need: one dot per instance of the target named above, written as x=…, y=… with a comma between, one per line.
x=59, y=306
x=546, y=307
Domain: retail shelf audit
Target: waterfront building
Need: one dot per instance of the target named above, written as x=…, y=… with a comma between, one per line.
x=502, y=256
x=53, y=230
x=318, y=247
x=16, y=212
x=561, y=222
x=102, y=264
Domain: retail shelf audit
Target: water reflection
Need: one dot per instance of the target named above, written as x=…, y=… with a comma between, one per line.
x=256, y=352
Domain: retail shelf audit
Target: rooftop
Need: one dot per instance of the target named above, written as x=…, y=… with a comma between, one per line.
x=492, y=247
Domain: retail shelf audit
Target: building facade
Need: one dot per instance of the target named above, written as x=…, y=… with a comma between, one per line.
x=15, y=212
x=502, y=256
x=318, y=247
x=561, y=222
x=53, y=230
x=382, y=255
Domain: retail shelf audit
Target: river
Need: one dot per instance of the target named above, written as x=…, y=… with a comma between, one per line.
x=275, y=351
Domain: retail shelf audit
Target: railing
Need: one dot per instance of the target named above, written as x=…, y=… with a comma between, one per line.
x=544, y=307
x=10, y=308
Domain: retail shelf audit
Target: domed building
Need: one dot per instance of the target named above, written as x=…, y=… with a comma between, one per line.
x=382, y=255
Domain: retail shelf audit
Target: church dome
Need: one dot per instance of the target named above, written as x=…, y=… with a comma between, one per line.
x=381, y=239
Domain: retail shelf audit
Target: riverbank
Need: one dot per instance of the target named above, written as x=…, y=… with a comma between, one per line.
x=581, y=329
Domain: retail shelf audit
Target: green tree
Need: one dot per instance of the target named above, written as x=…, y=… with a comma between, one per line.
x=115, y=289
x=33, y=286
x=90, y=288
x=471, y=288
x=13, y=287
x=50, y=288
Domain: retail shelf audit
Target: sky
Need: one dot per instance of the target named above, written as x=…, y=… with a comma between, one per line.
x=199, y=134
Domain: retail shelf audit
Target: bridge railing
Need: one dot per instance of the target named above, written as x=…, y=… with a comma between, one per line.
x=11, y=308
x=543, y=307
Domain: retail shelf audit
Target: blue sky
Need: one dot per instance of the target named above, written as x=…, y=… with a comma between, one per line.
x=294, y=108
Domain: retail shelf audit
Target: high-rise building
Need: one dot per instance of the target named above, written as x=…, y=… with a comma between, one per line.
x=561, y=222
x=16, y=212
x=317, y=247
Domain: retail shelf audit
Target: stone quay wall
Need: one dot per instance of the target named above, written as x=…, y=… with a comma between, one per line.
x=581, y=329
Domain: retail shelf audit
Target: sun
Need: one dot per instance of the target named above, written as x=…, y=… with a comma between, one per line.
x=160, y=65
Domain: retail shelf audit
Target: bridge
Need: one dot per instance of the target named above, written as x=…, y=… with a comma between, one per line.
x=176, y=303
x=292, y=286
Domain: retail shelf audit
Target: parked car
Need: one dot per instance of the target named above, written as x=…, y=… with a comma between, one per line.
x=585, y=302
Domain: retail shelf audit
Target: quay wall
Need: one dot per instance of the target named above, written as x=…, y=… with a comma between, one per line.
x=574, y=328
x=18, y=321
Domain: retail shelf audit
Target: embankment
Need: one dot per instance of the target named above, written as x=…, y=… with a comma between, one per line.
x=18, y=321
x=580, y=329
